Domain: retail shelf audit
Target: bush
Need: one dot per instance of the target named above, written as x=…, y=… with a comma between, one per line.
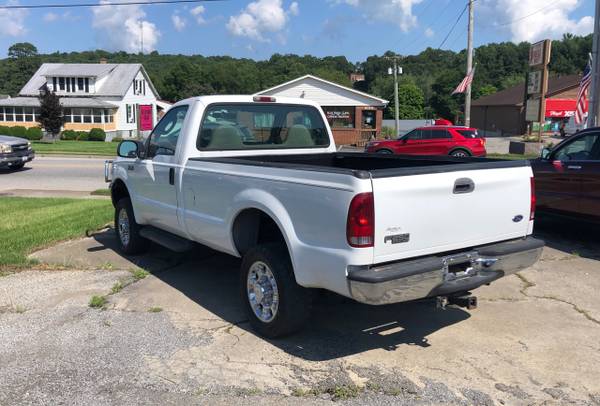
x=18, y=131
x=388, y=132
x=83, y=136
x=34, y=134
x=117, y=139
x=4, y=130
x=97, y=134
x=68, y=135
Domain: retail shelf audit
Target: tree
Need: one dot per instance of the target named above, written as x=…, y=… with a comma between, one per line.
x=410, y=101
x=51, y=117
x=22, y=50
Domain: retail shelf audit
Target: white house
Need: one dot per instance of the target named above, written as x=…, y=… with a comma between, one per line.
x=119, y=98
x=354, y=116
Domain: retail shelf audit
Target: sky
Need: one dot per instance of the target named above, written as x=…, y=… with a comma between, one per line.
x=257, y=29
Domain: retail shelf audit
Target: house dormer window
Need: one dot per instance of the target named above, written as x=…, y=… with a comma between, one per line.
x=71, y=84
x=139, y=87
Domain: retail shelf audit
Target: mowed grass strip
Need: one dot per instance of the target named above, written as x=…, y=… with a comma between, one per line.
x=76, y=148
x=30, y=223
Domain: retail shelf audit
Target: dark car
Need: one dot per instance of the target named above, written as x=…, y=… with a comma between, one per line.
x=14, y=152
x=567, y=177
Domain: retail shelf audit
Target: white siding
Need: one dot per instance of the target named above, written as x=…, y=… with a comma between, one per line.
x=322, y=93
x=131, y=98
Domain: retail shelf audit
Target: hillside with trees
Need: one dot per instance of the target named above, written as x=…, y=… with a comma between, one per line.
x=424, y=91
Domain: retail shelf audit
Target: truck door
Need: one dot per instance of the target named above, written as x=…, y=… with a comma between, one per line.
x=589, y=202
x=158, y=172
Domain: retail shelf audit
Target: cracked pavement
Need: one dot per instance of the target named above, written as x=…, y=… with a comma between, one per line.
x=533, y=339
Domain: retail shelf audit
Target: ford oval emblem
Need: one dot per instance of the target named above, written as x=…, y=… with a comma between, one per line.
x=517, y=218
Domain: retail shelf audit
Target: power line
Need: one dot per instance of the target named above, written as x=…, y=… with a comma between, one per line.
x=528, y=15
x=454, y=25
x=104, y=4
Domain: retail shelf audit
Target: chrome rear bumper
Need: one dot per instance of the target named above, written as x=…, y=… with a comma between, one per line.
x=444, y=275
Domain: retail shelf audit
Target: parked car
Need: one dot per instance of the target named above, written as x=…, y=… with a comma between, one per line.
x=568, y=177
x=303, y=216
x=15, y=152
x=434, y=140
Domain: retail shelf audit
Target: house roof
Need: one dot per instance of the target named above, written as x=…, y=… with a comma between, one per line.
x=513, y=96
x=119, y=77
x=69, y=102
x=376, y=100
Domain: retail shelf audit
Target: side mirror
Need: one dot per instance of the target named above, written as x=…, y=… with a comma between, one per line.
x=129, y=149
x=545, y=153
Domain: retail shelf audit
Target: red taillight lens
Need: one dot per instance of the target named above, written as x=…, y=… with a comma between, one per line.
x=360, y=228
x=532, y=209
x=482, y=142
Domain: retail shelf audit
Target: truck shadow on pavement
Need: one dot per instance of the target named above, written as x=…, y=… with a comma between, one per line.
x=338, y=326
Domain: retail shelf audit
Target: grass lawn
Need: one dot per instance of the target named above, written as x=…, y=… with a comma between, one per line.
x=31, y=223
x=511, y=156
x=77, y=148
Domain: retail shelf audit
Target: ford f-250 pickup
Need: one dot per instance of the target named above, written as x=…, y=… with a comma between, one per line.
x=260, y=178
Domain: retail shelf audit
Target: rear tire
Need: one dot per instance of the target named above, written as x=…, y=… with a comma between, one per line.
x=384, y=151
x=460, y=153
x=276, y=305
x=127, y=229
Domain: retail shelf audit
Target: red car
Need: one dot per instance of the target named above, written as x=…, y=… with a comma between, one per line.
x=434, y=140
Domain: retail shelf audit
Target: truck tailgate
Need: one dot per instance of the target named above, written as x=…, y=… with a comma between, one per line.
x=437, y=212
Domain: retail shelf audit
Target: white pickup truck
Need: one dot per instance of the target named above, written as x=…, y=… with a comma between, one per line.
x=259, y=178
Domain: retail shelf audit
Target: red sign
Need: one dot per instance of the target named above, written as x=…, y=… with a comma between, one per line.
x=560, y=107
x=146, y=122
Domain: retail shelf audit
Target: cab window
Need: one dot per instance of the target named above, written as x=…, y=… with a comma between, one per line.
x=584, y=148
x=163, y=139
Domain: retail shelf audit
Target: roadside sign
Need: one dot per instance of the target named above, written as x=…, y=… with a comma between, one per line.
x=539, y=53
x=532, y=110
x=534, y=84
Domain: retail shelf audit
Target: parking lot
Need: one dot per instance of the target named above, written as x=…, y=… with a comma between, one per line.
x=179, y=336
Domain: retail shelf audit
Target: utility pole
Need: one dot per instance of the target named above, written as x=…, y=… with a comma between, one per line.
x=396, y=70
x=142, y=36
x=470, y=65
x=594, y=90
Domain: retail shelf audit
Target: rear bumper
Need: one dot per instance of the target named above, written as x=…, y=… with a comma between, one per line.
x=16, y=158
x=441, y=275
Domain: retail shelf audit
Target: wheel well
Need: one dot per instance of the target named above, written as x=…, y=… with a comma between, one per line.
x=253, y=227
x=385, y=149
x=118, y=191
x=460, y=149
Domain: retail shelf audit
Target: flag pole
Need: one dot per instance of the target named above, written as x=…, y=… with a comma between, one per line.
x=469, y=66
x=594, y=92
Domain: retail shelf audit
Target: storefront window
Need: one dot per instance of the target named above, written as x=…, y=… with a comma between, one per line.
x=340, y=117
x=368, y=119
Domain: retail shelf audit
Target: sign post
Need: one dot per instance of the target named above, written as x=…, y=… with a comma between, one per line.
x=537, y=84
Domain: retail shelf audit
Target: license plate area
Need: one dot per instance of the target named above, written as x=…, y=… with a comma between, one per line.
x=460, y=266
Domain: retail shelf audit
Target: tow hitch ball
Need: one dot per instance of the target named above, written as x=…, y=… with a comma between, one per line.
x=468, y=301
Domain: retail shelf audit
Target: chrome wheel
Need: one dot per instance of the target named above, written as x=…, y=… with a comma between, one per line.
x=263, y=294
x=123, y=227
x=460, y=154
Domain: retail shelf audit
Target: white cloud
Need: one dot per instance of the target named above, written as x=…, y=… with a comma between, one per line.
x=123, y=27
x=198, y=13
x=178, y=22
x=393, y=11
x=12, y=22
x=49, y=17
x=260, y=18
x=537, y=20
x=429, y=32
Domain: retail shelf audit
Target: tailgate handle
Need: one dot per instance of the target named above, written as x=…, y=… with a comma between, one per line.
x=463, y=185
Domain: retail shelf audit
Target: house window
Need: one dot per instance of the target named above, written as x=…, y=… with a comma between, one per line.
x=139, y=87
x=97, y=115
x=87, y=85
x=29, y=114
x=87, y=115
x=130, y=108
x=108, y=117
x=340, y=117
x=18, y=113
x=1, y=113
x=80, y=84
x=77, y=115
x=54, y=84
x=61, y=83
x=9, y=113
x=67, y=116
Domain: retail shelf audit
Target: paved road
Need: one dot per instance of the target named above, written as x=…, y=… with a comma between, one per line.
x=56, y=174
x=533, y=340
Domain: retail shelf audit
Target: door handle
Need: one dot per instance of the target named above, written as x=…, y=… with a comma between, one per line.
x=171, y=176
x=463, y=185
x=576, y=167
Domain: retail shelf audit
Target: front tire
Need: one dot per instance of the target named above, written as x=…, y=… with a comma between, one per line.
x=127, y=229
x=276, y=305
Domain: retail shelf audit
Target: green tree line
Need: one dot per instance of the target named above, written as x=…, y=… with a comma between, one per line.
x=424, y=89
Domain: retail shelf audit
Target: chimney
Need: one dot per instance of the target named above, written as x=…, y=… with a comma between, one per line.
x=103, y=60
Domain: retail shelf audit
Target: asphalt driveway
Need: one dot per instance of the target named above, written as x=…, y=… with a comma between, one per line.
x=179, y=336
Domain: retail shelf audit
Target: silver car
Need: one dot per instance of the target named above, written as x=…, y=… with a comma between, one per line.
x=14, y=152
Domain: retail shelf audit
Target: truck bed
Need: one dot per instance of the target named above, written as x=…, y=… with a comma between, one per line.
x=363, y=165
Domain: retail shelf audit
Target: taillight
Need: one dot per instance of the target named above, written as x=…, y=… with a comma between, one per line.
x=532, y=209
x=264, y=99
x=482, y=142
x=360, y=228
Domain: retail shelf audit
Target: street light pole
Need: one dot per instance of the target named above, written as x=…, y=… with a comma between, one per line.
x=469, y=66
x=594, y=90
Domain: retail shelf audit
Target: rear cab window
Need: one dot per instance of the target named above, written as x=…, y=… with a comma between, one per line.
x=251, y=126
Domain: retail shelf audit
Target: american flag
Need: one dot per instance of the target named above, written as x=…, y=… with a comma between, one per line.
x=582, y=99
x=466, y=82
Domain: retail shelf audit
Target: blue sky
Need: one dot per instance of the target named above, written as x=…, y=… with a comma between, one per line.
x=259, y=28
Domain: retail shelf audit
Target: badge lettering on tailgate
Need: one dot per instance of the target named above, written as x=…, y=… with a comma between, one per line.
x=397, y=238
